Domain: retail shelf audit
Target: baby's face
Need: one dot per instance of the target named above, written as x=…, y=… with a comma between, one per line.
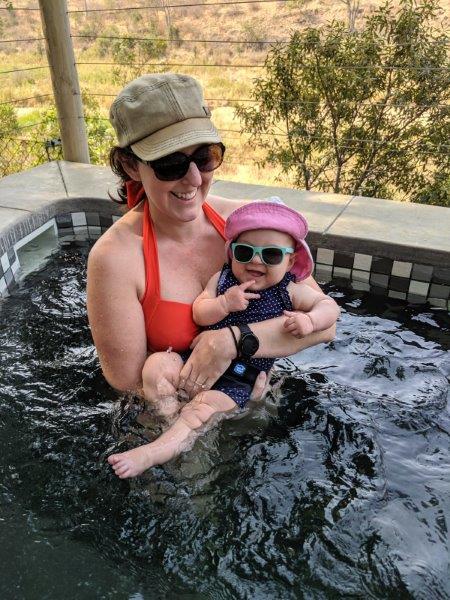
x=264, y=275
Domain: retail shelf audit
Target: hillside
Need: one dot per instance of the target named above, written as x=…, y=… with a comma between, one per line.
x=196, y=35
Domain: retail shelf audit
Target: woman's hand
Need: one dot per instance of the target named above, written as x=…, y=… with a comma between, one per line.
x=212, y=353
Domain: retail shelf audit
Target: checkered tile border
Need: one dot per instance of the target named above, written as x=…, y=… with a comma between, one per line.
x=396, y=279
x=77, y=226
x=383, y=276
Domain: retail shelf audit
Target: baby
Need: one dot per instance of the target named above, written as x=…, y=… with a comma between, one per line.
x=268, y=259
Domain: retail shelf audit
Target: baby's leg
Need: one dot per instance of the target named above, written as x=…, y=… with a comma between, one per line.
x=179, y=437
x=160, y=376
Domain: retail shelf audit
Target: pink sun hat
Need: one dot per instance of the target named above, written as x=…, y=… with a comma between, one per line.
x=272, y=214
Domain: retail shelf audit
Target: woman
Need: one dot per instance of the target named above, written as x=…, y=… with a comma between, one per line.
x=146, y=270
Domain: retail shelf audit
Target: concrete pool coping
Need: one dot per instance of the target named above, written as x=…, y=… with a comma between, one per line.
x=347, y=232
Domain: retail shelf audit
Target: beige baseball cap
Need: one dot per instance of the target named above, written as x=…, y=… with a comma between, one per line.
x=162, y=113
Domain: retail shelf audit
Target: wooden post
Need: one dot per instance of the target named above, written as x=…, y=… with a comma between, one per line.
x=66, y=88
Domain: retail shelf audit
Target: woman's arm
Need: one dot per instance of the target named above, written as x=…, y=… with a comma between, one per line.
x=213, y=351
x=115, y=314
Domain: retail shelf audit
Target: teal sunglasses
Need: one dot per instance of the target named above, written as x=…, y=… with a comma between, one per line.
x=270, y=255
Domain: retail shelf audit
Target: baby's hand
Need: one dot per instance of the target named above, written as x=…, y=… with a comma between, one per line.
x=237, y=298
x=298, y=324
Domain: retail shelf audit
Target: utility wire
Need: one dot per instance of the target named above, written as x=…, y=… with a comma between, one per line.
x=183, y=41
x=162, y=7
x=168, y=65
x=27, y=69
x=177, y=41
x=24, y=99
x=425, y=68
x=22, y=40
x=299, y=103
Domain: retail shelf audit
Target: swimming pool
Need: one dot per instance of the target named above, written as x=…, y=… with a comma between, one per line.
x=337, y=485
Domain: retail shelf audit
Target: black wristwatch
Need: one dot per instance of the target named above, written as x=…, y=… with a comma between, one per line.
x=248, y=344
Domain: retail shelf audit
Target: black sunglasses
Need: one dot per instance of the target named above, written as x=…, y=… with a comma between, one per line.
x=175, y=166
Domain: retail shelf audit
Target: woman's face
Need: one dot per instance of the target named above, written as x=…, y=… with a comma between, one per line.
x=179, y=199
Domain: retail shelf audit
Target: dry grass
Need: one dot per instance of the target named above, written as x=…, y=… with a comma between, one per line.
x=245, y=22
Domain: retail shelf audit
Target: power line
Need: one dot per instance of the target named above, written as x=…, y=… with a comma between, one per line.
x=24, y=99
x=299, y=103
x=319, y=138
x=161, y=7
x=425, y=68
x=22, y=40
x=177, y=41
x=167, y=65
x=27, y=69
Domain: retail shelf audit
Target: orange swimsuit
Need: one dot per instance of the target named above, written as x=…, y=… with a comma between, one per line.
x=167, y=323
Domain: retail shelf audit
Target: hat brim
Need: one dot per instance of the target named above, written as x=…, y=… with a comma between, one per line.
x=176, y=137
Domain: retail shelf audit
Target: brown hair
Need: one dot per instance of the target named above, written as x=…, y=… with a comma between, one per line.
x=117, y=157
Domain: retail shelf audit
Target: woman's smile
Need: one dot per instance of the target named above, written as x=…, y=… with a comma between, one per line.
x=185, y=195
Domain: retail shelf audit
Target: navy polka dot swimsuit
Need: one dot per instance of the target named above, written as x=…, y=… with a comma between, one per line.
x=271, y=303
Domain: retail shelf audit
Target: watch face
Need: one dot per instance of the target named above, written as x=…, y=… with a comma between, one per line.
x=250, y=344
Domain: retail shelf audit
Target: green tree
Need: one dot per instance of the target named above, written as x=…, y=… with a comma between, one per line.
x=98, y=129
x=364, y=112
x=9, y=131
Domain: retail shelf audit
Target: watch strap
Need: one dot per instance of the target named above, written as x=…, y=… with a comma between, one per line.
x=236, y=343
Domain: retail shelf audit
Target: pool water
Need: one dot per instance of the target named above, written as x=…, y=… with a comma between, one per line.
x=336, y=486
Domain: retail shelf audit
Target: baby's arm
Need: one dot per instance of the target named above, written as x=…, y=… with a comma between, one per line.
x=208, y=308
x=313, y=310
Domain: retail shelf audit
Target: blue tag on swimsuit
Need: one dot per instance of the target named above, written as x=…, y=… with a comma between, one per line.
x=239, y=368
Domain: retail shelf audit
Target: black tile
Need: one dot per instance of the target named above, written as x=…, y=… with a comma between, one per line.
x=105, y=221
x=422, y=272
x=379, y=280
x=399, y=284
x=343, y=259
x=64, y=220
x=441, y=276
x=381, y=265
x=378, y=291
x=63, y=231
x=93, y=219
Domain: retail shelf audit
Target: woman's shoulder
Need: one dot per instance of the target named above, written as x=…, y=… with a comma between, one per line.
x=225, y=206
x=122, y=241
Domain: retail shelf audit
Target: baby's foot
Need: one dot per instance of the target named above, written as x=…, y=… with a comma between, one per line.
x=132, y=462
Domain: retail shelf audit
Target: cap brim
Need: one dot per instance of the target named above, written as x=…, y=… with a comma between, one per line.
x=176, y=137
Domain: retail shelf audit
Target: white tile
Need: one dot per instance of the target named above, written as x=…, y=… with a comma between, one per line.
x=419, y=288
x=438, y=302
x=342, y=272
x=325, y=256
x=361, y=286
x=5, y=262
x=78, y=218
x=395, y=294
x=80, y=230
x=116, y=218
x=361, y=276
x=94, y=231
x=15, y=267
x=362, y=262
x=401, y=269
x=3, y=286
